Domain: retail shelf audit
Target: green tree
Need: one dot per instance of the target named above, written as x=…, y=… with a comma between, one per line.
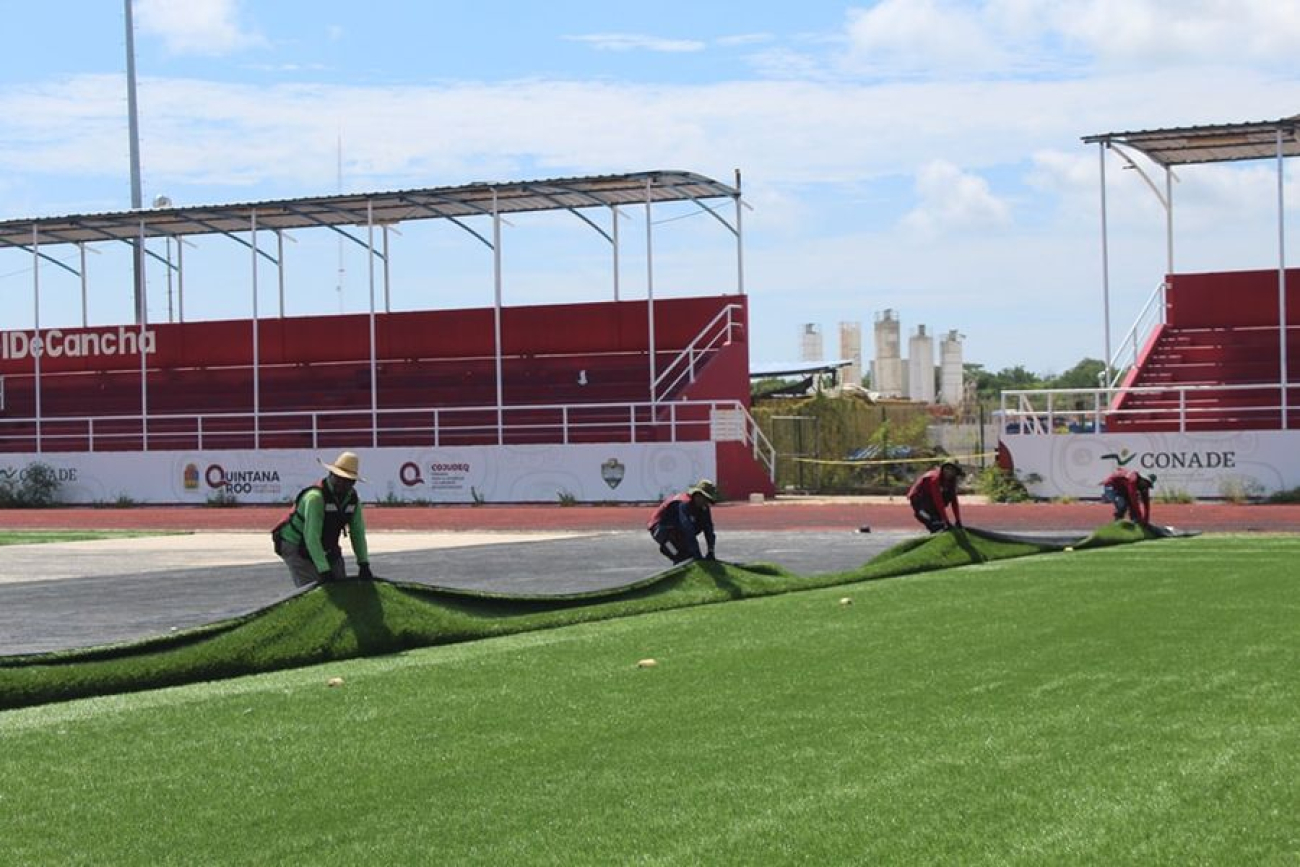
x=989, y=384
x=1083, y=375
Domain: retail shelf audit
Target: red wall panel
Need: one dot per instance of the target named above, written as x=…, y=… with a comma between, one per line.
x=555, y=329
x=1230, y=299
x=425, y=358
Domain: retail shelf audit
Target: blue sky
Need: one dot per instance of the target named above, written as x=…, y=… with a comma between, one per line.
x=919, y=155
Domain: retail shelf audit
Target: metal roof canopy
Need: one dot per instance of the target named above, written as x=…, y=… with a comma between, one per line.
x=370, y=211
x=1195, y=145
x=380, y=208
x=1221, y=143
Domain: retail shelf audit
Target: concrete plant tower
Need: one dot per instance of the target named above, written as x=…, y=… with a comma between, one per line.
x=851, y=350
x=887, y=369
x=810, y=346
x=920, y=366
x=951, y=372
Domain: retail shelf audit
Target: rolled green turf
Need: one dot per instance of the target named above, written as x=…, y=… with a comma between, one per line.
x=352, y=619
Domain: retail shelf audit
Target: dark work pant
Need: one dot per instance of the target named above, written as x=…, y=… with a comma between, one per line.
x=674, y=544
x=927, y=514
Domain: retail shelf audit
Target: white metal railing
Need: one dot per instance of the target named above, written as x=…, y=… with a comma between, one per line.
x=717, y=333
x=764, y=451
x=641, y=421
x=1091, y=410
x=1125, y=355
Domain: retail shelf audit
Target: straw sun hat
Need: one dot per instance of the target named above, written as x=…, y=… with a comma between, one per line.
x=346, y=465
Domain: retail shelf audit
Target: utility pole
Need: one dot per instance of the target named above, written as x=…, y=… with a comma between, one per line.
x=137, y=197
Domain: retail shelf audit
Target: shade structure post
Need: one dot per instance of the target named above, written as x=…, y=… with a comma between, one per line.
x=141, y=318
x=740, y=240
x=614, y=210
x=1105, y=263
x=85, y=317
x=257, y=358
x=374, y=366
x=496, y=315
x=1284, y=375
x=650, y=289
x=36, y=321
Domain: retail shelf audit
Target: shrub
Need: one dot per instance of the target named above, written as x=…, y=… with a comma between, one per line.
x=1173, y=495
x=1235, y=489
x=36, y=487
x=222, y=498
x=1000, y=486
x=1290, y=495
x=123, y=501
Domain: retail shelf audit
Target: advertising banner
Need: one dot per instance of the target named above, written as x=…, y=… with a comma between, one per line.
x=1227, y=464
x=460, y=474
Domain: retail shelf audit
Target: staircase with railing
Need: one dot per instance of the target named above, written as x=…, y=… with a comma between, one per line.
x=1205, y=354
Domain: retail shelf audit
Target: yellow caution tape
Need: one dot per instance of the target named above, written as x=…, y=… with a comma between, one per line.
x=898, y=460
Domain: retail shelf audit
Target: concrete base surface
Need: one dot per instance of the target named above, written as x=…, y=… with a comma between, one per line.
x=79, y=594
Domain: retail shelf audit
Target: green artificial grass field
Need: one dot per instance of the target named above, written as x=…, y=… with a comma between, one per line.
x=1134, y=704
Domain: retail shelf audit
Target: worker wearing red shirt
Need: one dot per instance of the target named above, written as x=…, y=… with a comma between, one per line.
x=679, y=519
x=932, y=492
x=1130, y=493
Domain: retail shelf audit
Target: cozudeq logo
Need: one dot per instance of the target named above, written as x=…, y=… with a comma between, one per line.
x=190, y=477
x=612, y=471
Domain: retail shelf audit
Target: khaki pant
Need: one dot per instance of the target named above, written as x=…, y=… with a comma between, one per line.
x=301, y=568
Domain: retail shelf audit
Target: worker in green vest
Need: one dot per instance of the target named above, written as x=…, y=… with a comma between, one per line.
x=307, y=540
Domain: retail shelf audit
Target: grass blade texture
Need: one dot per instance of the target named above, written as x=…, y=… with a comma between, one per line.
x=345, y=620
x=1127, y=705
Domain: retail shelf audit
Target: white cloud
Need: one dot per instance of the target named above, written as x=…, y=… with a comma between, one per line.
x=1032, y=38
x=638, y=42
x=745, y=39
x=1182, y=31
x=901, y=36
x=951, y=199
x=207, y=27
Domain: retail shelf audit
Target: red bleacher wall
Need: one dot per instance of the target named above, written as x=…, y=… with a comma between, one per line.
x=1230, y=299
x=553, y=329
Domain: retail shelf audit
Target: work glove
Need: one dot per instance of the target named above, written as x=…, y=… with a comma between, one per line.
x=364, y=573
x=324, y=576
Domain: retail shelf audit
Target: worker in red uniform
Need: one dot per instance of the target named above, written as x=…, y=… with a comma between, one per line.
x=680, y=518
x=1130, y=493
x=932, y=492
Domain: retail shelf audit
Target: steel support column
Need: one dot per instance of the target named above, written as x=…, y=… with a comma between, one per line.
x=257, y=357
x=496, y=315
x=374, y=369
x=1105, y=261
x=650, y=289
x=36, y=316
x=1281, y=277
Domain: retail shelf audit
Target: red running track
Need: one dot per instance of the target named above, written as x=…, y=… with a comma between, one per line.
x=776, y=516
